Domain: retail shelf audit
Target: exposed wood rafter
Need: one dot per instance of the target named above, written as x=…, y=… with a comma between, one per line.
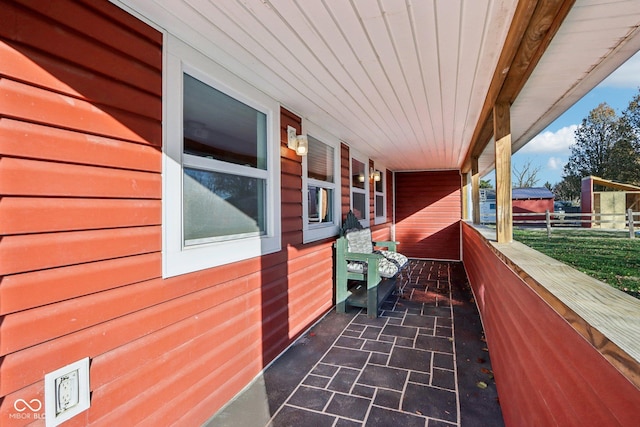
x=534, y=25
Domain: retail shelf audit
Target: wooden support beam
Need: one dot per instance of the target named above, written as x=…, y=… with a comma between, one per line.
x=466, y=183
x=475, y=190
x=502, y=132
x=534, y=25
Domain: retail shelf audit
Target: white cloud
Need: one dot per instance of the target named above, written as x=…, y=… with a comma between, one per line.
x=626, y=76
x=552, y=142
x=555, y=163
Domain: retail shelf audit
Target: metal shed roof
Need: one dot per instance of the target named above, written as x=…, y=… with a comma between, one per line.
x=531, y=193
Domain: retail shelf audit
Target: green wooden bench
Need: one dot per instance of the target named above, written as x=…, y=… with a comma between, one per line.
x=364, y=277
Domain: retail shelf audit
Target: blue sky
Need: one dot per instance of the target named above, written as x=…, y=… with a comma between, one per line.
x=550, y=149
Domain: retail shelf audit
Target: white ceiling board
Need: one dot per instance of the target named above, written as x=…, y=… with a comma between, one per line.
x=401, y=81
x=403, y=38
x=594, y=40
x=392, y=74
x=468, y=106
x=574, y=63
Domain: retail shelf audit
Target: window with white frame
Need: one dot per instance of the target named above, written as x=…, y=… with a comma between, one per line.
x=221, y=166
x=380, y=205
x=360, y=188
x=320, y=174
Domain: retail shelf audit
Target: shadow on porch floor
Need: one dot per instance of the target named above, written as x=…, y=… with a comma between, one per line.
x=423, y=362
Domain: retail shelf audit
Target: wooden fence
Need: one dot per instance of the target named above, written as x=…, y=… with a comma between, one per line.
x=630, y=220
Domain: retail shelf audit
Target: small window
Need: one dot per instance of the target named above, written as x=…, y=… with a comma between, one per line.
x=321, y=203
x=220, y=166
x=360, y=190
x=379, y=182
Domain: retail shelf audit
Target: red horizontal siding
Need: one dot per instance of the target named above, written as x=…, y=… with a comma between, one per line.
x=29, y=27
x=65, y=317
x=428, y=212
x=345, y=179
x=22, y=253
x=87, y=19
x=19, y=215
x=32, y=104
x=546, y=372
x=48, y=72
x=532, y=206
x=239, y=333
x=123, y=20
x=28, y=140
x=183, y=296
x=80, y=218
x=59, y=284
x=291, y=182
x=22, y=177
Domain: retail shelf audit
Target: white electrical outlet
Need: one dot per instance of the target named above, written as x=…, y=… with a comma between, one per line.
x=66, y=392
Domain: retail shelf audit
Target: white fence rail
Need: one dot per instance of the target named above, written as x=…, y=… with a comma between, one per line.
x=630, y=220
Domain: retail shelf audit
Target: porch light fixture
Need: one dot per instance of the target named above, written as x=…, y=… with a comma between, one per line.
x=374, y=175
x=299, y=143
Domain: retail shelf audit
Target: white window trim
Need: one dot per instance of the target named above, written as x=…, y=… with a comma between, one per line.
x=313, y=232
x=176, y=257
x=382, y=218
x=365, y=160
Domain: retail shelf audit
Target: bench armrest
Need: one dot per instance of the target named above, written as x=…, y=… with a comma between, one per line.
x=391, y=246
x=355, y=256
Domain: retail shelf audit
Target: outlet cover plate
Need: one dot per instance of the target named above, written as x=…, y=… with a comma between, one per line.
x=66, y=392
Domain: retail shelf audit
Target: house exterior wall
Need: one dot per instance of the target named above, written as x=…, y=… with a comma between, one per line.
x=546, y=373
x=81, y=226
x=427, y=214
x=532, y=206
x=612, y=204
x=586, y=198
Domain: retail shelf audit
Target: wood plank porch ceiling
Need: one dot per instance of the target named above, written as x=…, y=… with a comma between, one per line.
x=410, y=83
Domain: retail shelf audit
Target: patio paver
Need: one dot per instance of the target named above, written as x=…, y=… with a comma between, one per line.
x=408, y=367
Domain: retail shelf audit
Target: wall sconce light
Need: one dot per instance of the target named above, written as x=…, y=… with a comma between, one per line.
x=299, y=143
x=374, y=175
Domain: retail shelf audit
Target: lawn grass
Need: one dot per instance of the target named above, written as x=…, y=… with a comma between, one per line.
x=608, y=256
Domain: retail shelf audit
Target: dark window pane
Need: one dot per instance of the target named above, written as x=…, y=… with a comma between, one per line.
x=359, y=205
x=222, y=128
x=358, y=175
x=379, y=205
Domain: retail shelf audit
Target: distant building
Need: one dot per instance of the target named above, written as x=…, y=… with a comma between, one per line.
x=532, y=200
x=612, y=200
x=487, y=205
x=524, y=200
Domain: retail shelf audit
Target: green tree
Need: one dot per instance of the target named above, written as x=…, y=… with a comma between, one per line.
x=567, y=189
x=625, y=155
x=631, y=117
x=591, y=153
x=485, y=183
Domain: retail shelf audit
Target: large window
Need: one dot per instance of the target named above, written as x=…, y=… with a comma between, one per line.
x=221, y=177
x=360, y=188
x=320, y=173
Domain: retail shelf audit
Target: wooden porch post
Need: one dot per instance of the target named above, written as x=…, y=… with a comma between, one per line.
x=475, y=190
x=465, y=197
x=502, y=136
